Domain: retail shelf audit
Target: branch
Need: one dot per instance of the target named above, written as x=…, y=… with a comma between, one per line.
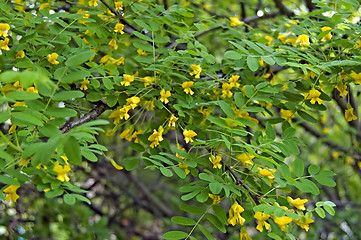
x=283, y=8
x=93, y=114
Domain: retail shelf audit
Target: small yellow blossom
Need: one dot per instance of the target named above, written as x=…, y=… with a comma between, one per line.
x=156, y=137
x=24, y=162
x=304, y=223
x=115, y=165
x=235, y=21
x=119, y=27
x=342, y=88
x=196, y=70
x=262, y=218
x=343, y=75
x=147, y=80
x=188, y=135
x=141, y=52
x=205, y=112
x=269, y=39
x=335, y=155
x=348, y=160
x=171, y=123
x=235, y=214
x=20, y=54
x=84, y=85
x=244, y=114
x=19, y=104
x=120, y=114
x=226, y=90
x=356, y=77
x=359, y=164
x=282, y=222
x=4, y=30
x=260, y=62
x=4, y=44
x=93, y=3
x=127, y=134
x=282, y=36
x=184, y=167
x=292, y=41
x=44, y=5
x=245, y=159
x=304, y=40
x=349, y=116
x=11, y=194
x=133, y=101
x=149, y=105
x=358, y=44
x=32, y=89
x=187, y=87
x=118, y=6
x=164, y=95
x=61, y=171
x=216, y=199
x=313, y=95
x=295, y=22
x=287, y=115
x=118, y=61
x=135, y=135
x=267, y=105
x=127, y=80
x=298, y=203
x=52, y=58
x=243, y=235
x=234, y=80
x=12, y=129
x=328, y=36
x=113, y=44
x=215, y=160
x=104, y=59
x=267, y=173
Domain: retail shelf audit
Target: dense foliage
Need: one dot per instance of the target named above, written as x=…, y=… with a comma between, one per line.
x=180, y=120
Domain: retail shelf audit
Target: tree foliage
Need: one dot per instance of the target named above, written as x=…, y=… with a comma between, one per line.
x=184, y=115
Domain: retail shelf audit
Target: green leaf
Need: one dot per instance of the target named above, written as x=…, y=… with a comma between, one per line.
x=239, y=100
x=324, y=178
x=180, y=172
x=205, y=232
x=142, y=36
x=252, y=63
x=25, y=119
x=270, y=132
x=249, y=91
x=191, y=209
x=8, y=180
x=75, y=76
x=306, y=116
x=69, y=199
x=166, y=172
x=313, y=169
x=215, y=187
x=253, y=46
x=298, y=167
x=226, y=108
x=61, y=112
x=220, y=213
x=320, y=212
x=67, y=95
x=22, y=95
x=232, y=55
x=214, y=220
x=72, y=151
x=54, y=193
x=4, y=116
x=240, y=47
x=184, y=221
x=173, y=235
x=79, y=58
x=82, y=198
x=329, y=209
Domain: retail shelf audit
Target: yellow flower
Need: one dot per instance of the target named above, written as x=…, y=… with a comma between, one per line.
x=244, y=114
x=188, y=135
x=235, y=214
x=356, y=77
x=84, y=85
x=24, y=162
x=118, y=6
x=171, y=123
x=304, y=223
x=19, y=104
x=44, y=5
x=119, y=114
x=149, y=105
x=269, y=39
x=184, y=167
x=304, y=40
x=282, y=222
x=141, y=52
x=349, y=116
x=205, y=112
x=187, y=87
x=328, y=36
x=342, y=88
x=245, y=159
x=12, y=129
x=61, y=171
x=292, y=41
x=119, y=27
x=20, y=54
x=295, y=22
x=93, y=3
x=135, y=135
x=133, y=102
x=196, y=70
x=156, y=137
x=226, y=90
x=215, y=160
x=127, y=134
x=343, y=75
x=281, y=36
x=127, y=80
x=348, y=160
x=115, y=165
x=359, y=164
x=235, y=21
x=147, y=81
x=4, y=29
x=298, y=203
x=11, y=194
x=234, y=80
x=313, y=95
x=4, y=44
x=267, y=173
x=287, y=115
x=262, y=218
x=335, y=155
x=164, y=95
x=260, y=62
x=216, y=199
x=118, y=61
x=243, y=235
x=32, y=89
x=113, y=44
x=104, y=59
x=52, y=58
x=267, y=105
x=358, y=44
